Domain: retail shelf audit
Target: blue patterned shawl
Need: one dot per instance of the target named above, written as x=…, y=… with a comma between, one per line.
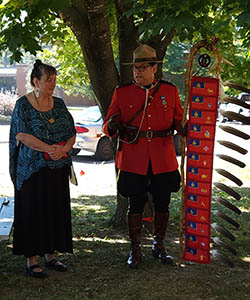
x=27, y=119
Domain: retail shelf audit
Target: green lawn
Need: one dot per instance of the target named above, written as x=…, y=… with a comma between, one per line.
x=97, y=269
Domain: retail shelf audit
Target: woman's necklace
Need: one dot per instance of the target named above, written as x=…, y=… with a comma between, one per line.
x=51, y=120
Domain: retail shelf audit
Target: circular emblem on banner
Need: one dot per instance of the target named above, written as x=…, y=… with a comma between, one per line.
x=204, y=60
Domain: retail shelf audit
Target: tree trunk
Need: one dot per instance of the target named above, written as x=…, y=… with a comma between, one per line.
x=128, y=40
x=119, y=219
x=89, y=22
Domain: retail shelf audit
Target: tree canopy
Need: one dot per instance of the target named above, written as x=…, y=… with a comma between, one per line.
x=107, y=31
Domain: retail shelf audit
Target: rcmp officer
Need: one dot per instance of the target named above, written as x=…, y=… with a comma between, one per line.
x=144, y=114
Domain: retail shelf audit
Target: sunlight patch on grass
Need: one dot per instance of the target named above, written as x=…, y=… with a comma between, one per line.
x=96, y=208
x=83, y=250
x=76, y=204
x=244, y=209
x=176, y=241
x=105, y=240
x=88, y=251
x=246, y=259
x=78, y=239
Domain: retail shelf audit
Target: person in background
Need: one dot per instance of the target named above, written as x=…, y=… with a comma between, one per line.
x=144, y=115
x=41, y=135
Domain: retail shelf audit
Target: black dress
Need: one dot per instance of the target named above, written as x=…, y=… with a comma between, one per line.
x=43, y=222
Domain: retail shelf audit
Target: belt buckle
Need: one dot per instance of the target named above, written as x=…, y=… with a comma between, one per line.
x=149, y=134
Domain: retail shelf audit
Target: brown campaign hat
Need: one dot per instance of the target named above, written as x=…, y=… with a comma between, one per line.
x=144, y=53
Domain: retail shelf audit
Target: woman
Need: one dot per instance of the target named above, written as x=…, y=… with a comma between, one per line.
x=44, y=130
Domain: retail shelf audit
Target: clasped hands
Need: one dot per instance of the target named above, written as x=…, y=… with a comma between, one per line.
x=57, y=152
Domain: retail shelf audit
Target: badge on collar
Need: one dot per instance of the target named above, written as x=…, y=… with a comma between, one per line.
x=163, y=100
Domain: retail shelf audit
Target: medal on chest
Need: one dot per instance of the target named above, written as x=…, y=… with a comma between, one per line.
x=163, y=101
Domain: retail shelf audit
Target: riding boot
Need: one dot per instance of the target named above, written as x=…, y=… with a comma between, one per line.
x=160, y=227
x=134, y=225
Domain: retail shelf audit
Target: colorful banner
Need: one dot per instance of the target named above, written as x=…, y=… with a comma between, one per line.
x=200, y=147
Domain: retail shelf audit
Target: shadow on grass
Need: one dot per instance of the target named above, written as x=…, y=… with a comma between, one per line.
x=97, y=269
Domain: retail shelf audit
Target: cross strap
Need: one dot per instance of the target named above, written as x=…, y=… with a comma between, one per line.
x=141, y=109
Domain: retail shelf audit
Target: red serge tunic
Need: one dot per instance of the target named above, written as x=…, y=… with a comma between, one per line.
x=164, y=109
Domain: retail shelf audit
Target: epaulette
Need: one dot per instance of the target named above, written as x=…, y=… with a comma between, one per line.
x=124, y=84
x=167, y=82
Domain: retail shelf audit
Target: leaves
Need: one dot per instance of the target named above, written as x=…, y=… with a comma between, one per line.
x=29, y=25
x=72, y=73
x=244, y=18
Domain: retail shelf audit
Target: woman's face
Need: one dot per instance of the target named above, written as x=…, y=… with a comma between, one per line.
x=46, y=84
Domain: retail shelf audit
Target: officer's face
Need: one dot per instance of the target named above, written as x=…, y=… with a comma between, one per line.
x=144, y=73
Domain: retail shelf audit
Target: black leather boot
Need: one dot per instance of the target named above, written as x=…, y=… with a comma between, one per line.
x=160, y=227
x=134, y=225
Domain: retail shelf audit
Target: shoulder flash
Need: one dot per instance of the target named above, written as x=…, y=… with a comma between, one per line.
x=167, y=82
x=124, y=84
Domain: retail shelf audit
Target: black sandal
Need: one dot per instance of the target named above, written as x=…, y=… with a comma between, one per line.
x=56, y=265
x=30, y=272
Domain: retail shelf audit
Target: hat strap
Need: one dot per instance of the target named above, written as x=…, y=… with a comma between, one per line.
x=151, y=59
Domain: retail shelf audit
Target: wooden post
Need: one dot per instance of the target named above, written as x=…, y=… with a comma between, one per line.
x=210, y=47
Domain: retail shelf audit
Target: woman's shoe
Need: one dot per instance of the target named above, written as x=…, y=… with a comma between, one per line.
x=56, y=265
x=30, y=272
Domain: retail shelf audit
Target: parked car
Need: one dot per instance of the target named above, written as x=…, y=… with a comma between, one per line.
x=89, y=135
x=244, y=97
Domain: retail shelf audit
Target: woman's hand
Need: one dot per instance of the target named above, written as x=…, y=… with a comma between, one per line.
x=57, y=152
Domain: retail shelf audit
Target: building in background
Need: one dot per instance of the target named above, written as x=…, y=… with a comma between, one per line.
x=14, y=80
x=8, y=80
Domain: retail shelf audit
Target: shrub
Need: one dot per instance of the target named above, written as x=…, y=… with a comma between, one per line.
x=7, y=103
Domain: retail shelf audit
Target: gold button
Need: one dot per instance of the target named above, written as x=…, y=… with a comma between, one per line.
x=149, y=116
x=149, y=128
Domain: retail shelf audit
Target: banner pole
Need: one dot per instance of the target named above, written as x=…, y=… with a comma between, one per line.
x=188, y=77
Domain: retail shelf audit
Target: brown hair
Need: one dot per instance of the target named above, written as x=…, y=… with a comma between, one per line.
x=41, y=69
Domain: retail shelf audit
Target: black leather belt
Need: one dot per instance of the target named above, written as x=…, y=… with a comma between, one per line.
x=149, y=134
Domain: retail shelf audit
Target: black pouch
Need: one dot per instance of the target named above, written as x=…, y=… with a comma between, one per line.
x=131, y=133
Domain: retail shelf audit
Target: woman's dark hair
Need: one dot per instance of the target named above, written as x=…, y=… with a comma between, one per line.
x=41, y=69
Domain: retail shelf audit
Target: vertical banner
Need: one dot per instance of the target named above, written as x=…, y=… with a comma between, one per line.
x=203, y=107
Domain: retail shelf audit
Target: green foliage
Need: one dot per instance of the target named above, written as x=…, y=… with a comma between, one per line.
x=240, y=57
x=191, y=19
x=29, y=25
x=72, y=74
x=26, y=25
x=174, y=66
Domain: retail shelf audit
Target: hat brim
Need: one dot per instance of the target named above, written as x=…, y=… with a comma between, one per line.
x=139, y=60
x=134, y=62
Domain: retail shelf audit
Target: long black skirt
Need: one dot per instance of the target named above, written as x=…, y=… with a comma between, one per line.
x=42, y=219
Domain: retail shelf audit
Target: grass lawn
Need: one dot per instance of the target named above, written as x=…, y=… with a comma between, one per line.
x=97, y=269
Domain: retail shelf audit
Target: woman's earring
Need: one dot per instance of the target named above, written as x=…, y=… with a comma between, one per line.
x=36, y=92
